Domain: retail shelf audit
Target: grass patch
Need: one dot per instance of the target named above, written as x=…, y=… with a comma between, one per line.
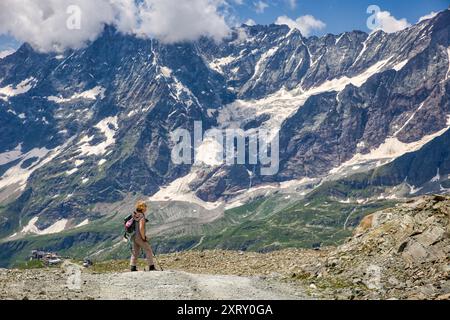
x=32, y=264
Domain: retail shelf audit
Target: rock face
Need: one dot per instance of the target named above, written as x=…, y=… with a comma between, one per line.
x=405, y=254
x=92, y=126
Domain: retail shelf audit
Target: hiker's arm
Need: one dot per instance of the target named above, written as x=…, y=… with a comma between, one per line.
x=142, y=229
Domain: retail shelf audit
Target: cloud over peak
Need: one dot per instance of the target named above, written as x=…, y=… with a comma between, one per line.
x=55, y=25
x=306, y=24
x=388, y=23
x=431, y=15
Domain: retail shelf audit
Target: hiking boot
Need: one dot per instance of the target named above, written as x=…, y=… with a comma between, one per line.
x=152, y=268
x=134, y=269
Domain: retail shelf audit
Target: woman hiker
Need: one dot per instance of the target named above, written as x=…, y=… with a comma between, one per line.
x=139, y=238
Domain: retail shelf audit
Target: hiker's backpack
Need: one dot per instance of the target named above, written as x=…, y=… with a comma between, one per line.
x=129, y=225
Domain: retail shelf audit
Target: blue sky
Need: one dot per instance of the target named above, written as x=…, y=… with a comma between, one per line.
x=337, y=15
x=8, y=43
x=341, y=15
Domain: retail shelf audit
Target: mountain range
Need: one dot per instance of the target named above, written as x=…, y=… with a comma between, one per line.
x=363, y=122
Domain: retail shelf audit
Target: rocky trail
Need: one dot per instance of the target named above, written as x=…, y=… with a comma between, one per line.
x=62, y=283
x=181, y=285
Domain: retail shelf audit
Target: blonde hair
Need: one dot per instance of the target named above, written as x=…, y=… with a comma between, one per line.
x=141, y=206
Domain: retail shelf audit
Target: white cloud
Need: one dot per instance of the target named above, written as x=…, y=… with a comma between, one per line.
x=431, y=15
x=43, y=23
x=174, y=20
x=261, y=6
x=388, y=23
x=306, y=24
x=250, y=22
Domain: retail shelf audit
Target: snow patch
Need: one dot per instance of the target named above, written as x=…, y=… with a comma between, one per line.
x=218, y=64
x=400, y=66
x=31, y=226
x=131, y=113
x=10, y=156
x=82, y=224
x=71, y=172
x=182, y=94
x=91, y=94
x=23, y=87
x=295, y=183
x=361, y=144
x=166, y=72
x=409, y=120
x=179, y=190
x=282, y=104
x=108, y=127
x=360, y=55
x=436, y=178
x=264, y=57
x=413, y=189
x=234, y=205
x=12, y=236
x=251, y=193
x=19, y=175
x=390, y=150
x=210, y=153
x=5, y=53
x=338, y=39
x=57, y=227
x=79, y=163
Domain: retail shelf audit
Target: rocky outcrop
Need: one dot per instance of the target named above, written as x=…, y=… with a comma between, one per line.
x=401, y=253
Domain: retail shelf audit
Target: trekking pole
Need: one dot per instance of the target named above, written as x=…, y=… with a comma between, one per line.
x=156, y=260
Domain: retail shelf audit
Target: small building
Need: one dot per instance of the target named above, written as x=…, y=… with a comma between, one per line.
x=49, y=258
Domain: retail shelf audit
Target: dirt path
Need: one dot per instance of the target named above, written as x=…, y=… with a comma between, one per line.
x=69, y=283
x=181, y=285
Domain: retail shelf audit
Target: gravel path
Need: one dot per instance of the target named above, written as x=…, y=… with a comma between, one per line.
x=181, y=285
x=66, y=283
